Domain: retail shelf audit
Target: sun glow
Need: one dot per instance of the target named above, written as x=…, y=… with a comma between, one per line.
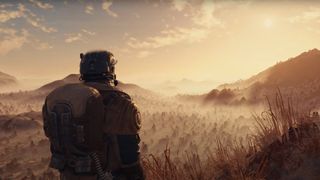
x=268, y=23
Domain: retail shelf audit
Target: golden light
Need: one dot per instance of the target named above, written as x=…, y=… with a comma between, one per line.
x=268, y=23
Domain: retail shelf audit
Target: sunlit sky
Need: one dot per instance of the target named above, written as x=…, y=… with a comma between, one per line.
x=155, y=40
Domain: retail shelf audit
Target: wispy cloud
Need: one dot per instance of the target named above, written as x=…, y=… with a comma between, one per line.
x=34, y=20
x=23, y=12
x=41, y=5
x=180, y=5
x=307, y=16
x=80, y=36
x=15, y=38
x=143, y=54
x=205, y=16
x=106, y=7
x=169, y=37
x=73, y=37
x=5, y=5
x=91, y=33
x=6, y=15
x=11, y=39
x=89, y=9
x=42, y=45
x=202, y=18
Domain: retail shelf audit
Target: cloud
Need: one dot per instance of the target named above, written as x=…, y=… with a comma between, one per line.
x=34, y=20
x=169, y=37
x=88, y=32
x=143, y=54
x=25, y=13
x=180, y=5
x=203, y=21
x=89, y=9
x=11, y=39
x=201, y=13
x=307, y=16
x=314, y=30
x=43, y=46
x=6, y=15
x=2, y=6
x=41, y=5
x=137, y=15
x=73, y=37
x=80, y=36
x=106, y=7
x=205, y=16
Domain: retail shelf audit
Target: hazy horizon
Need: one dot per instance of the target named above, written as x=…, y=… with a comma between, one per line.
x=155, y=41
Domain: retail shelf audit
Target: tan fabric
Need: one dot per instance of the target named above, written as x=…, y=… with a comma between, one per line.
x=73, y=94
x=122, y=116
x=102, y=87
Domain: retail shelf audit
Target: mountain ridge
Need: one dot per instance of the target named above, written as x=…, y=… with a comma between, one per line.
x=276, y=70
x=130, y=88
x=7, y=80
x=298, y=76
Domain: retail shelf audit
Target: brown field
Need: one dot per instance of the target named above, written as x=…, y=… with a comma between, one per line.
x=180, y=139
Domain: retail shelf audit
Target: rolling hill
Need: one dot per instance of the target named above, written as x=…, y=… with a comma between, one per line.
x=7, y=80
x=131, y=89
x=294, y=72
x=25, y=101
x=298, y=77
x=184, y=86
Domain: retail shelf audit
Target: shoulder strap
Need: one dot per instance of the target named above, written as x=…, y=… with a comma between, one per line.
x=106, y=90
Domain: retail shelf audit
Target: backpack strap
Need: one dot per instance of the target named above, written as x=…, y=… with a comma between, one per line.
x=107, y=89
x=73, y=118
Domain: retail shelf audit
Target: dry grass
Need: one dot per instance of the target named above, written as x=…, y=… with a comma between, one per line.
x=165, y=167
x=280, y=131
x=204, y=145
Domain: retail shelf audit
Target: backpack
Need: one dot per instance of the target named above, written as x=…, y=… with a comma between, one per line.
x=73, y=121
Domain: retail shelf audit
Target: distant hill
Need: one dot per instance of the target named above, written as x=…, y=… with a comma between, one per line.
x=23, y=121
x=298, y=76
x=72, y=78
x=184, y=86
x=293, y=72
x=296, y=71
x=131, y=89
x=25, y=101
x=7, y=80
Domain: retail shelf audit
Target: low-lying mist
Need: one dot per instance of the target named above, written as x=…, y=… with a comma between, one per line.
x=182, y=126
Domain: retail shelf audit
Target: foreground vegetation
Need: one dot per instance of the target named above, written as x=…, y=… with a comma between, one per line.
x=286, y=145
x=282, y=142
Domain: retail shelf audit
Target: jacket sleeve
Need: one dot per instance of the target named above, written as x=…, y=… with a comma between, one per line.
x=128, y=145
x=123, y=122
x=122, y=115
x=130, y=157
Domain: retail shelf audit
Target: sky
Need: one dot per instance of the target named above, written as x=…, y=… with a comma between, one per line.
x=155, y=40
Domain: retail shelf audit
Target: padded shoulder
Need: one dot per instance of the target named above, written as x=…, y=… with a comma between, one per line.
x=122, y=114
x=105, y=90
x=122, y=117
x=75, y=95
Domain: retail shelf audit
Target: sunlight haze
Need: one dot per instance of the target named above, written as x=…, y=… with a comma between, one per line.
x=155, y=41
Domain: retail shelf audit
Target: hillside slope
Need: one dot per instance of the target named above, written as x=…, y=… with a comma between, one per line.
x=131, y=89
x=298, y=77
x=292, y=72
x=7, y=80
